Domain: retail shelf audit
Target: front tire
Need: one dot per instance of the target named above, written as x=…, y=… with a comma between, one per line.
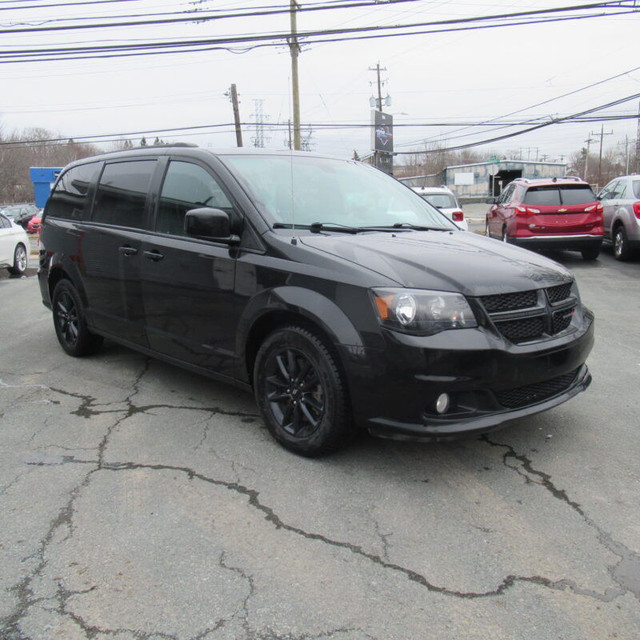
x=301, y=392
x=19, y=261
x=487, y=232
x=69, y=322
x=505, y=235
x=621, y=249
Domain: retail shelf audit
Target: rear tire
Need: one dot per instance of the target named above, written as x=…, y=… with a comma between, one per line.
x=301, y=392
x=19, y=261
x=69, y=322
x=621, y=250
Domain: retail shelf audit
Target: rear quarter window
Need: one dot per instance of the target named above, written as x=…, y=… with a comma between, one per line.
x=636, y=188
x=69, y=198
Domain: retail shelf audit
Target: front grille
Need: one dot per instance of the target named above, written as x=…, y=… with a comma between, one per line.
x=559, y=293
x=522, y=330
x=533, y=393
x=510, y=301
x=525, y=316
x=561, y=320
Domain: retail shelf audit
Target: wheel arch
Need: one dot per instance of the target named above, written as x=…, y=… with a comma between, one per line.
x=58, y=271
x=294, y=306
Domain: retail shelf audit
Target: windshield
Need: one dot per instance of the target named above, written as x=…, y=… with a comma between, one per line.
x=303, y=190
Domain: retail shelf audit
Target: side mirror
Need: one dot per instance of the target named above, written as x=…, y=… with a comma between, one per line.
x=209, y=224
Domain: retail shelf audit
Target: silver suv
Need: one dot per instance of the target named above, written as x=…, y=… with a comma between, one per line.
x=621, y=202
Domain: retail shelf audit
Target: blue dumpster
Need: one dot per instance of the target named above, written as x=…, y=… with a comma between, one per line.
x=43, y=179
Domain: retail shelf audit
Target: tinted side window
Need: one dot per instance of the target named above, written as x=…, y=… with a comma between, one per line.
x=636, y=188
x=69, y=199
x=122, y=193
x=4, y=223
x=187, y=186
x=506, y=194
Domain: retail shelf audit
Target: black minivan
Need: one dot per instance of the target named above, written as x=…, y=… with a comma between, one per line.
x=334, y=292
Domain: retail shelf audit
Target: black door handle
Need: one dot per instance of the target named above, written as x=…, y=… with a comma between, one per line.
x=156, y=256
x=128, y=251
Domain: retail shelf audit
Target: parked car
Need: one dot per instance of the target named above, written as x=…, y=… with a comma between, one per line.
x=336, y=294
x=445, y=201
x=34, y=224
x=14, y=246
x=548, y=214
x=621, y=202
x=20, y=213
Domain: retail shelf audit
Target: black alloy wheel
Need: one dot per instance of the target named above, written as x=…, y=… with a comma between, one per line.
x=69, y=322
x=301, y=393
x=19, y=261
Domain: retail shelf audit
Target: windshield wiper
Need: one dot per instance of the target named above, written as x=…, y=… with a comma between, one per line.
x=417, y=227
x=317, y=227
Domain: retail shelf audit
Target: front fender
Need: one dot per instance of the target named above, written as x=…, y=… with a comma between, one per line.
x=303, y=302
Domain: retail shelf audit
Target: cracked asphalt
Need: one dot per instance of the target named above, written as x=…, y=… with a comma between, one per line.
x=139, y=501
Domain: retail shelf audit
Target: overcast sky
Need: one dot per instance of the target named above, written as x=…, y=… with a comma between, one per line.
x=453, y=77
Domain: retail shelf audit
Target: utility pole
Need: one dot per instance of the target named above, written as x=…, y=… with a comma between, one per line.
x=589, y=140
x=294, y=49
x=378, y=100
x=233, y=96
x=626, y=154
x=602, y=134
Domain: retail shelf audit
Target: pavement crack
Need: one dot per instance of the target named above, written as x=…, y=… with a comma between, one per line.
x=626, y=573
x=253, y=497
x=251, y=591
x=10, y=625
x=543, y=479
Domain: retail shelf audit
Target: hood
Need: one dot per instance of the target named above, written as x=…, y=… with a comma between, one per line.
x=444, y=260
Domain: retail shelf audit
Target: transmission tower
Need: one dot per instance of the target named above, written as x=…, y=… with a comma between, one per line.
x=260, y=120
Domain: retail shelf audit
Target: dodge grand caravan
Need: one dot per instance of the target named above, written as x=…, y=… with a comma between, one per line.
x=336, y=294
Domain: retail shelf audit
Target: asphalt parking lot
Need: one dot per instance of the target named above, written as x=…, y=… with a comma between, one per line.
x=139, y=501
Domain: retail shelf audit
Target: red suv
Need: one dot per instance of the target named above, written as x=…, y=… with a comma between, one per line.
x=556, y=213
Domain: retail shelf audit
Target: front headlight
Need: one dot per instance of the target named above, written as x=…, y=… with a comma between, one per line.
x=422, y=312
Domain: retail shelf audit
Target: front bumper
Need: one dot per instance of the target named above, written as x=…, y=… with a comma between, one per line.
x=489, y=381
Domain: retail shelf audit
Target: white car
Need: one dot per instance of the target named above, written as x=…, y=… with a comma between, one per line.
x=444, y=200
x=14, y=246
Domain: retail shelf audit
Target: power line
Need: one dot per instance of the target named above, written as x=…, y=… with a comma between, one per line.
x=529, y=129
x=196, y=16
x=326, y=126
x=533, y=106
x=310, y=37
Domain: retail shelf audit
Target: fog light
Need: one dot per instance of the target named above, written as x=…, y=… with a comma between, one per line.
x=442, y=403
